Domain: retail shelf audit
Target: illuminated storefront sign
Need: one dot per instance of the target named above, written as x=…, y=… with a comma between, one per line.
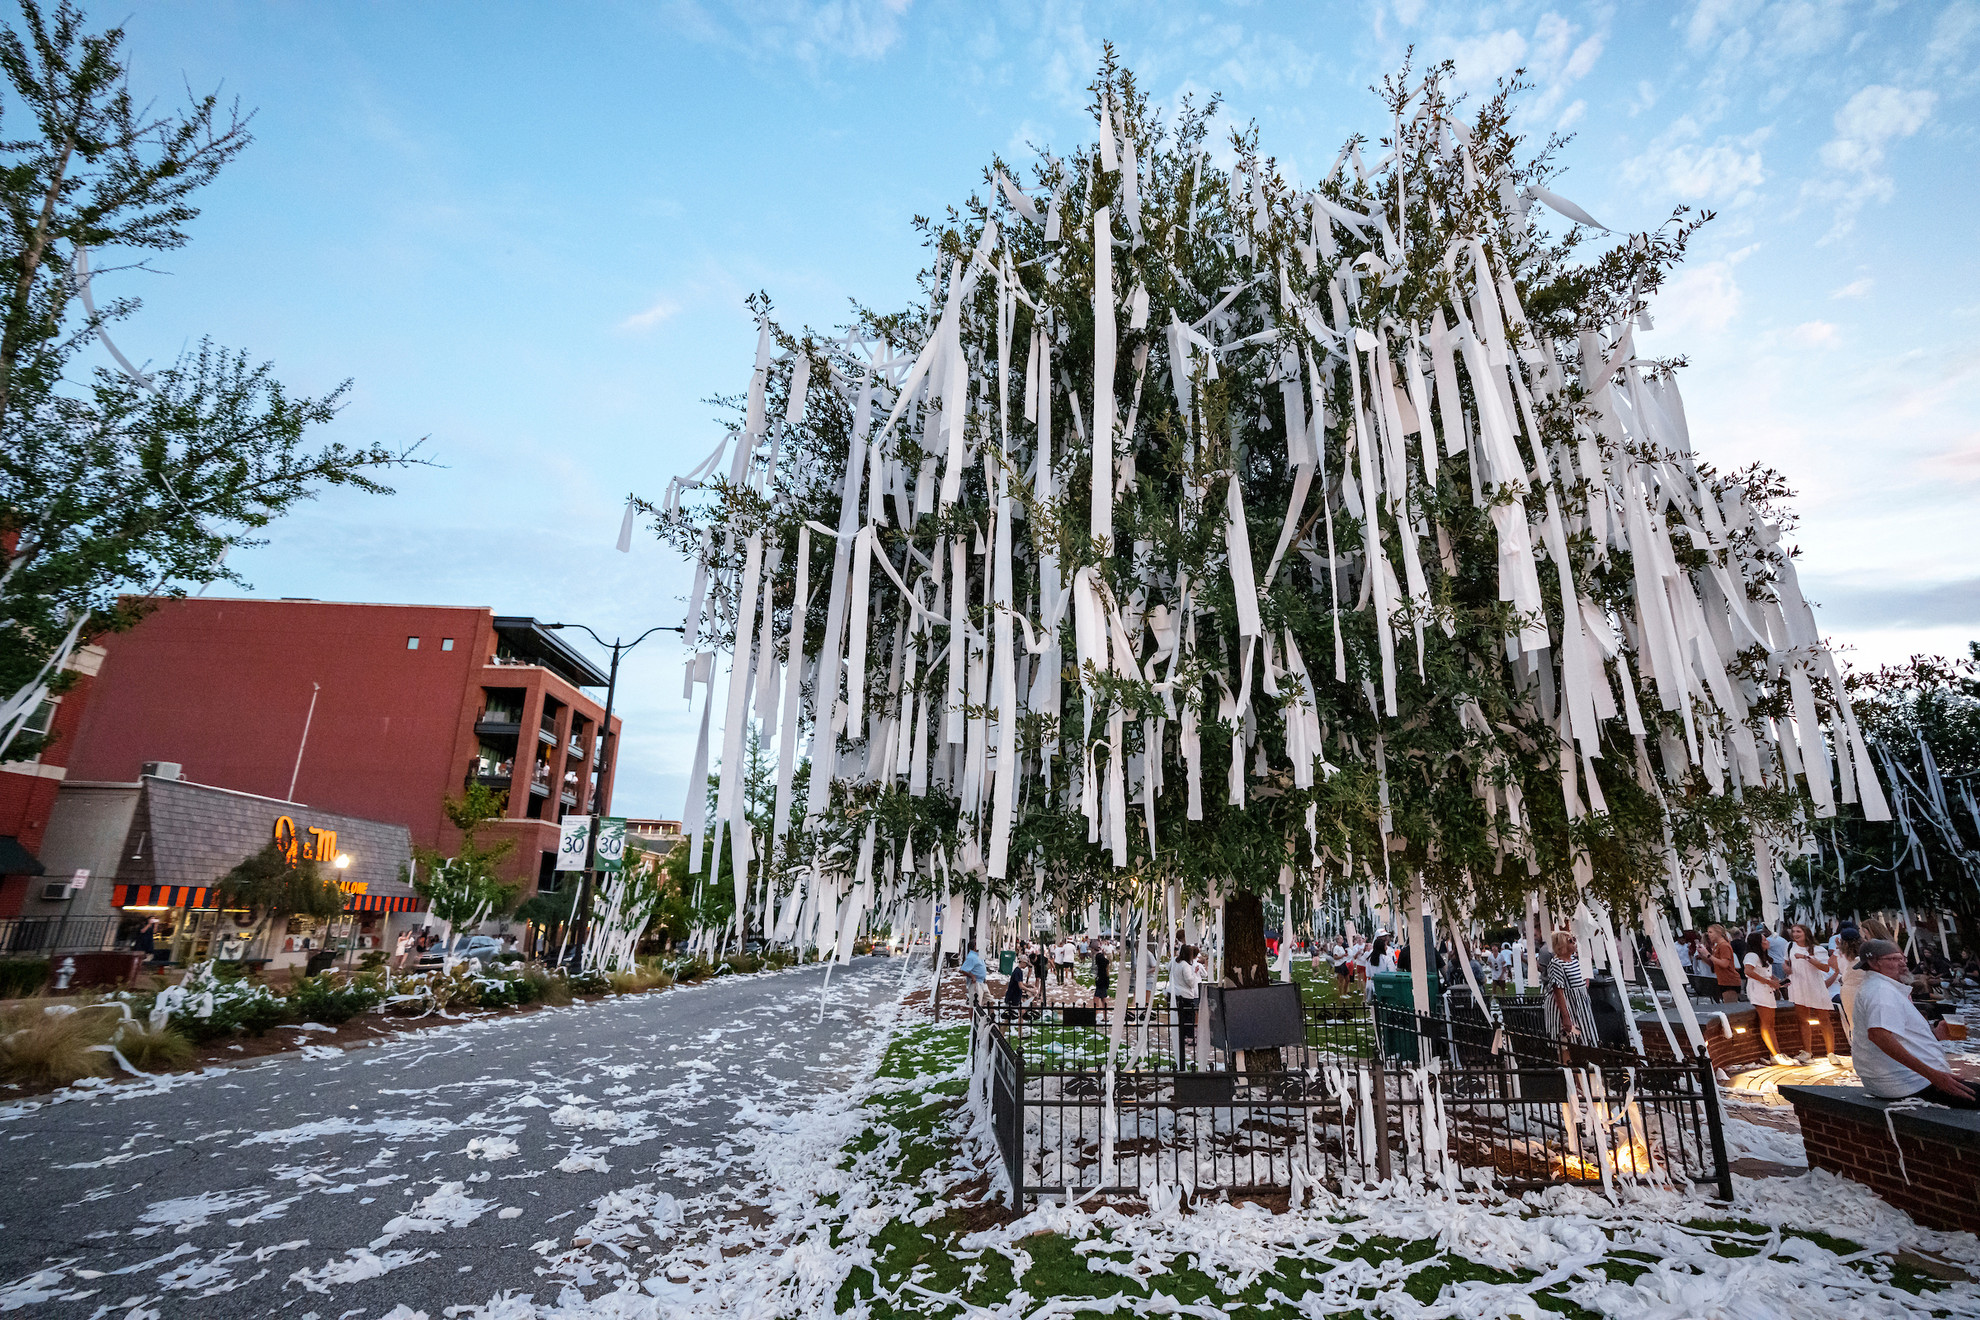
x=310, y=845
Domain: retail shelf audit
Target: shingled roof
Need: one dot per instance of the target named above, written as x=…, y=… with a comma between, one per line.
x=192, y=834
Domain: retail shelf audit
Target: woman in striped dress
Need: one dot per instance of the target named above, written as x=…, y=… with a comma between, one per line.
x=1569, y=1014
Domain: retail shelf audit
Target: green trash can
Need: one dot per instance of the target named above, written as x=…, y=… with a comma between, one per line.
x=1006, y=961
x=1397, y=990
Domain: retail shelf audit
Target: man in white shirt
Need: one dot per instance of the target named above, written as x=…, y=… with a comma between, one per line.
x=1897, y=1054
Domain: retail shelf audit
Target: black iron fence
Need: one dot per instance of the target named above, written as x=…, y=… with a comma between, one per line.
x=1374, y=1092
x=21, y=936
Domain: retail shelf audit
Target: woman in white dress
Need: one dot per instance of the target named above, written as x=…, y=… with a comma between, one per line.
x=1808, y=986
x=1763, y=992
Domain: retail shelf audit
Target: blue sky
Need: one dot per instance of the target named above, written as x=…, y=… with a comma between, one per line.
x=526, y=231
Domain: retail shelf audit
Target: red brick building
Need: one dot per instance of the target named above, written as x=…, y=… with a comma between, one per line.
x=28, y=788
x=376, y=711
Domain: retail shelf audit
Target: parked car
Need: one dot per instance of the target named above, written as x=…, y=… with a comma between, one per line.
x=485, y=947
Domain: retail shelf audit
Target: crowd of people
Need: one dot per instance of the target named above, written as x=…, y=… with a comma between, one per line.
x=1851, y=982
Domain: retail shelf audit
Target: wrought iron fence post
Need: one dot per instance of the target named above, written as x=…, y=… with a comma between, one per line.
x=1379, y=1093
x=1715, y=1123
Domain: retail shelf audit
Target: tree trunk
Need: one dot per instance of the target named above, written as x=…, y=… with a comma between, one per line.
x=1246, y=963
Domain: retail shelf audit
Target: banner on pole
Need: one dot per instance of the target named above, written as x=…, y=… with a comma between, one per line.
x=573, y=838
x=611, y=855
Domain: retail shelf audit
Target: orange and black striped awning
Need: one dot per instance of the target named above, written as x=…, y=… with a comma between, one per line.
x=201, y=896
x=380, y=903
x=185, y=896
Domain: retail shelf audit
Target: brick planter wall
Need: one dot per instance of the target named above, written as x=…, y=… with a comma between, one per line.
x=1742, y=1049
x=1844, y=1131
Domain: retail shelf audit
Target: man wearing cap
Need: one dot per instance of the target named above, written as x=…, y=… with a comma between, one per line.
x=1897, y=1053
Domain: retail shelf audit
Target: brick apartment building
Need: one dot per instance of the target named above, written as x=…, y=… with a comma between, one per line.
x=28, y=788
x=372, y=711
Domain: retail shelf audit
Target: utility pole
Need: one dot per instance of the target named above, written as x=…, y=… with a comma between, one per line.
x=601, y=804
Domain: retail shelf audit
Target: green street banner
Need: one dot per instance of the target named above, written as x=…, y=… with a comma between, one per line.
x=573, y=838
x=611, y=843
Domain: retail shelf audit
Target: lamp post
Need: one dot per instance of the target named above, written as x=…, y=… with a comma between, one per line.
x=602, y=804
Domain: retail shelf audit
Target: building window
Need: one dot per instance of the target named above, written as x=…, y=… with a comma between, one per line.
x=446, y=643
x=412, y=643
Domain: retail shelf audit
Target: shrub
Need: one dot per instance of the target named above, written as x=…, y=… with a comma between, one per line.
x=327, y=998
x=216, y=1004
x=43, y=1048
x=591, y=982
x=152, y=1051
x=636, y=980
x=548, y=986
x=694, y=969
x=372, y=958
x=20, y=977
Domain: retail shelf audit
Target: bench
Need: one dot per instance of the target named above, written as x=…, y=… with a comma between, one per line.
x=1847, y=1131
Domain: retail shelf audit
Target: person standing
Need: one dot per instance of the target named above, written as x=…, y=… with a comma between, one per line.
x=1847, y=973
x=976, y=978
x=1185, y=989
x=1763, y=992
x=1725, y=966
x=1067, y=955
x=1039, y=964
x=1808, y=988
x=1898, y=1055
x=146, y=939
x=1776, y=946
x=1103, y=985
x=1570, y=1015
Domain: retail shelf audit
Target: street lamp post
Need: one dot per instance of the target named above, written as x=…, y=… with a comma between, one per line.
x=602, y=803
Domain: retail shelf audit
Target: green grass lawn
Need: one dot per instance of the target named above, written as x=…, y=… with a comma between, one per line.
x=1359, y=1269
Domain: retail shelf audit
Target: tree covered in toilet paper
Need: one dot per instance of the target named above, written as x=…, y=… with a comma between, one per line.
x=1207, y=530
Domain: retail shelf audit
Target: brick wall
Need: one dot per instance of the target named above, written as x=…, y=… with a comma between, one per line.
x=1743, y=1049
x=1943, y=1185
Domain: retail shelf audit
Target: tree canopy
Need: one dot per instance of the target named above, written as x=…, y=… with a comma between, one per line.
x=121, y=484
x=1207, y=530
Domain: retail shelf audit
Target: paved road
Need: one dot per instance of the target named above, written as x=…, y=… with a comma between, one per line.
x=436, y=1170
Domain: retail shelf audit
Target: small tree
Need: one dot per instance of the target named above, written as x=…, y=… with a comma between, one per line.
x=270, y=886
x=114, y=483
x=465, y=889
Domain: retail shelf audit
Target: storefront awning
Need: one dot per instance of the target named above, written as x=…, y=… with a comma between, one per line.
x=201, y=896
x=16, y=860
x=146, y=896
x=381, y=902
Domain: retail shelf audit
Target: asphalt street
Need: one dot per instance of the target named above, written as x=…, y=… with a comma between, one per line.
x=437, y=1170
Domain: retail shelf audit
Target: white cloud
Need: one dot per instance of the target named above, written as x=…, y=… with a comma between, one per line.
x=1701, y=300
x=1712, y=17
x=1570, y=116
x=661, y=311
x=1582, y=62
x=1855, y=288
x=1408, y=11
x=1872, y=119
x=1482, y=59
x=810, y=30
x=1814, y=334
x=1727, y=171
x=1955, y=30
x=1866, y=125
